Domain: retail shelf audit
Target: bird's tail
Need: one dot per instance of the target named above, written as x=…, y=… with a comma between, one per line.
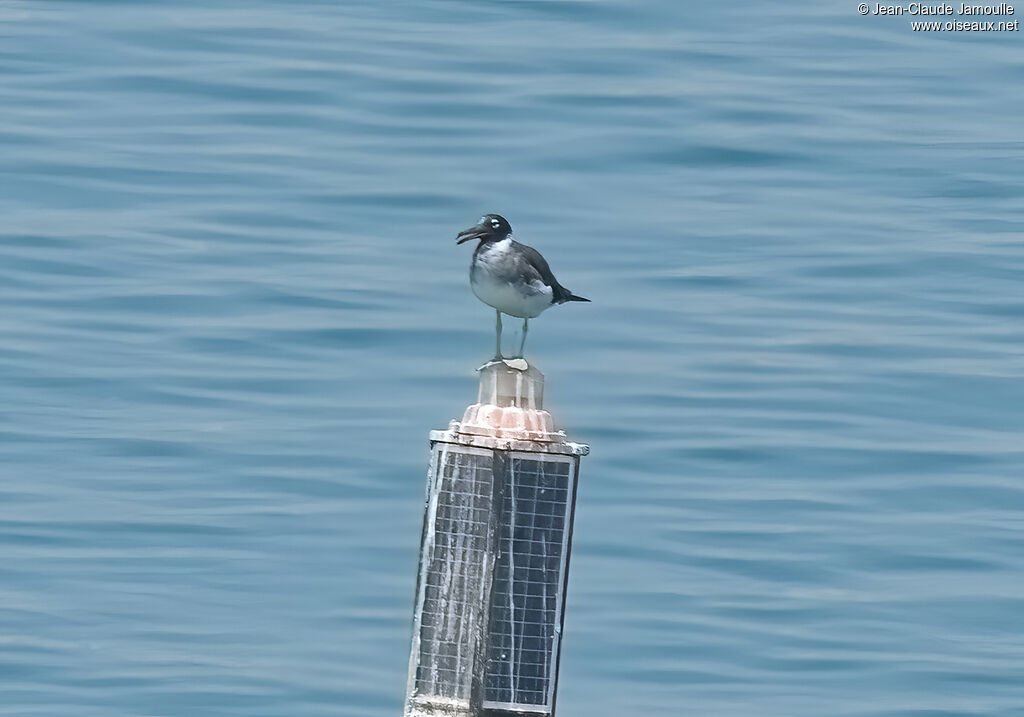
x=562, y=295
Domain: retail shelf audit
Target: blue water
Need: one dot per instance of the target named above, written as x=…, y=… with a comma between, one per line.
x=231, y=308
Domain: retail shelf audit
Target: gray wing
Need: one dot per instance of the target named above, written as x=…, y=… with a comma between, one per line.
x=539, y=265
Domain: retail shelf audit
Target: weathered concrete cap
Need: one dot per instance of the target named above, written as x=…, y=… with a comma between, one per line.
x=511, y=383
x=510, y=404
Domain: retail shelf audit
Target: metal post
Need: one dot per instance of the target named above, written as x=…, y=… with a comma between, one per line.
x=497, y=532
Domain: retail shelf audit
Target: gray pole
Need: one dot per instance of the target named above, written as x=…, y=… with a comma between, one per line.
x=497, y=531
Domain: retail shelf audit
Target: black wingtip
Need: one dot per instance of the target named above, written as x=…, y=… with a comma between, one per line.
x=573, y=297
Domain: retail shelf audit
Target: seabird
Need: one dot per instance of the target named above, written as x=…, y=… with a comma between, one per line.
x=509, y=276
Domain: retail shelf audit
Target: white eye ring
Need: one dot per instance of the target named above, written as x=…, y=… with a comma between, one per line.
x=494, y=222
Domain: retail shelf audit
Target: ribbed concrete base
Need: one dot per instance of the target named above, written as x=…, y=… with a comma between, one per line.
x=510, y=404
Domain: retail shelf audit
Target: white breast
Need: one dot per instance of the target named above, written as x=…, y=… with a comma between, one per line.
x=494, y=285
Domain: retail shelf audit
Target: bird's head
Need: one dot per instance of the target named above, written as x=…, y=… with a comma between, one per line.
x=491, y=227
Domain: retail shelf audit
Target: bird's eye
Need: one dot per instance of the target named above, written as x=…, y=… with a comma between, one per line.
x=494, y=222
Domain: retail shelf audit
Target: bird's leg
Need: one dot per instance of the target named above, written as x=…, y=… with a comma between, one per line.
x=522, y=341
x=497, y=355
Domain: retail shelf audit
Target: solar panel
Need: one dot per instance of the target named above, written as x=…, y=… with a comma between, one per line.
x=529, y=580
x=492, y=582
x=457, y=522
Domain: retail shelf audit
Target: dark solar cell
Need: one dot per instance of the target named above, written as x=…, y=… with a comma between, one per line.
x=528, y=581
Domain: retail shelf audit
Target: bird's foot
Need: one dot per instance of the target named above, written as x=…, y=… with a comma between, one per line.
x=498, y=358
